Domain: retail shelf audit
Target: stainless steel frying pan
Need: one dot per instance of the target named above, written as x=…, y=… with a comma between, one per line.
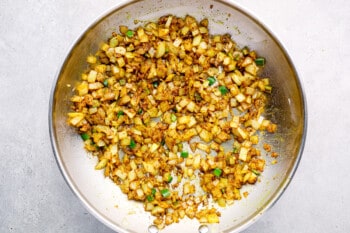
x=287, y=107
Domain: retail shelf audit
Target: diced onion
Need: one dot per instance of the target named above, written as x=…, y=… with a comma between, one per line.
x=150, y=92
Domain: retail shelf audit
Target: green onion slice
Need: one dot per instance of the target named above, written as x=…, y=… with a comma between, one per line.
x=217, y=172
x=150, y=198
x=155, y=84
x=256, y=172
x=129, y=33
x=85, y=136
x=184, y=154
x=260, y=61
x=120, y=113
x=223, y=90
x=153, y=191
x=132, y=144
x=122, y=82
x=245, y=51
x=105, y=83
x=165, y=192
x=211, y=80
x=173, y=117
x=162, y=142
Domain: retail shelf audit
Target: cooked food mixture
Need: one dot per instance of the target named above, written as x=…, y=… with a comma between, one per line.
x=173, y=114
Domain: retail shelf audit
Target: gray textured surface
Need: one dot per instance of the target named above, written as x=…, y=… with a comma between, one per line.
x=35, y=37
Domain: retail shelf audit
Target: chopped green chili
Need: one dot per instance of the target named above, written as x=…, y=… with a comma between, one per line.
x=217, y=172
x=140, y=111
x=223, y=90
x=211, y=80
x=85, y=136
x=235, y=150
x=170, y=178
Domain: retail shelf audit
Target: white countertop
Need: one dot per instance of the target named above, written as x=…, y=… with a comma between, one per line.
x=35, y=38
